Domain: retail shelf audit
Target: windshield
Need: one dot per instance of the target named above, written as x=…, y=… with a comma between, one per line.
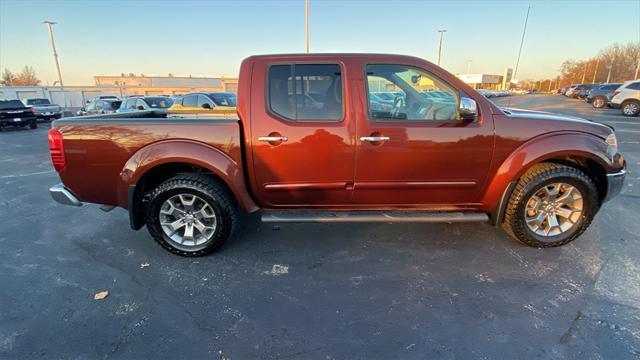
x=38, y=102
x=11, y=104
x=159, y=102
x=224, y=99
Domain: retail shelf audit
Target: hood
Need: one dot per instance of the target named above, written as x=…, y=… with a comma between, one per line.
x=561, y=121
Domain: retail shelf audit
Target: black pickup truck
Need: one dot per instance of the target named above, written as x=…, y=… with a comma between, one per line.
x=15, y=113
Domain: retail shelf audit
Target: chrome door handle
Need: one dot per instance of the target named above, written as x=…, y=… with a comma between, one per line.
x=375, y=138
x=273, y=138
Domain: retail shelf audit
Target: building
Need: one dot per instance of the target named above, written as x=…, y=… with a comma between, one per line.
x=132, y=84
x=482, y=81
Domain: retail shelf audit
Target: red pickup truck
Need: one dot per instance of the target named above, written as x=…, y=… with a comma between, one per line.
x=311, y=143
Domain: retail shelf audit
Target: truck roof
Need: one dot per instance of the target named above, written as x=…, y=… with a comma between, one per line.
x=387, y=57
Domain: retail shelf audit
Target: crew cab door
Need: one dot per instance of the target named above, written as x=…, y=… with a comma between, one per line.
x=301, y=140
x=418, y=151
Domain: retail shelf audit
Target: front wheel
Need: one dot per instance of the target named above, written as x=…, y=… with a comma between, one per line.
x=631, y=108
x=191, y=215
x=551, y=205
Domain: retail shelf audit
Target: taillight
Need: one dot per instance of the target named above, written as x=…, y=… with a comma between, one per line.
x=56, y=149
x=616, y=93
x=33, y=111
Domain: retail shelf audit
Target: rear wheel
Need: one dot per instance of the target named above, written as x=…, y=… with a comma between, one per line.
x=599, y=102
x=631, y=108
x=551, y=206
x=33, y=124
x=191, y=215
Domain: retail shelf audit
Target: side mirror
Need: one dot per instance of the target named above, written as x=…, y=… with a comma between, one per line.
x=206, y=106
x=468, y=108
x=140, y=107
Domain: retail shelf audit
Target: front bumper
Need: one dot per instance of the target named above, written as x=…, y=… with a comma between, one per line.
x=62, y=195
x=615, y=182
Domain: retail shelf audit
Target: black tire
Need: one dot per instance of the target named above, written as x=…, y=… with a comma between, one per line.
x=205, y=187
x=599, y=102
x=33, y=124
x=630, y=107
x=534, y=179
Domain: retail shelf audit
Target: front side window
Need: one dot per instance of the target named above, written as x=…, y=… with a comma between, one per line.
x=634, y=86
x=202, y=99
x=417, y=95
x=306, y=92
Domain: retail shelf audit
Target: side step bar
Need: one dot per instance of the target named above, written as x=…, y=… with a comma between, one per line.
x=309, y=216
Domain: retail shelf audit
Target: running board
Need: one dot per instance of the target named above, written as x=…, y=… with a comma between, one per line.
x=309, y=216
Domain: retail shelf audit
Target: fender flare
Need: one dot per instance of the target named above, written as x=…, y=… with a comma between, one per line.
x=189, y=152
x=533, y=152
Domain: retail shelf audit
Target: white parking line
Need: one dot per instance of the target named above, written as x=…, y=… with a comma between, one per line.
x=29, y=174
x=624, y=122
x=627, y=130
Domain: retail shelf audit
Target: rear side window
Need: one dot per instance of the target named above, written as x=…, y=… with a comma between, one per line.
x=634, y=86
x=306, y=92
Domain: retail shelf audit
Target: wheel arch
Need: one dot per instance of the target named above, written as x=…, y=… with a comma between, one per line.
x=160, y=161
x=582, y=151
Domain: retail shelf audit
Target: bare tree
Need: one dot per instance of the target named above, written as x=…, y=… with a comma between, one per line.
x=8, y=78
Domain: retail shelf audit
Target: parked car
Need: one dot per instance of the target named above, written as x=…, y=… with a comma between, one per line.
x=581, y=91
x=145, y=103
x=627, y=98
x=44, y=109
x=541, y=176
x=600, y=96
x=100, y=106
x=214, y=103
x=15, y=113
x=570, y=90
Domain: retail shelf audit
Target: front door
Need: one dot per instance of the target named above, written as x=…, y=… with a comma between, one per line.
x=415, y=150
x=301, y=139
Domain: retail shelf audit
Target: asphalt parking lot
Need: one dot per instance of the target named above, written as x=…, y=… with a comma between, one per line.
x=321, y=291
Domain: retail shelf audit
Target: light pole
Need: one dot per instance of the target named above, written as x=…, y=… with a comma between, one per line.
x=55, y=57
x=306, y=22
x=469, y=66
x=609, y=74
x=441, y=31
x=524, y=31
x=595, y=72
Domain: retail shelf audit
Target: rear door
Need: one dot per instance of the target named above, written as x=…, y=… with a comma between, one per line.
x=302, y=148
x=419, y=152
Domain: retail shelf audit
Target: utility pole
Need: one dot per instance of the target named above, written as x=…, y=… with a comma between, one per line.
x=55, y=57
x=609, y=74
x=584, y=74
x=637, y=69
x=442, y=31
x=595, y=72
x=524, y=31
x=306, y=22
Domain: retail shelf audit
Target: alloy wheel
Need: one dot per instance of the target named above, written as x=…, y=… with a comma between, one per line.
x=553, y=209
x=630, y=109
x=188, y=220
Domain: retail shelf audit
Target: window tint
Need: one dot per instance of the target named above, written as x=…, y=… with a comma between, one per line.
x=306, y=92
x=130, y=104
x=202, y=99
x=634, y=86
x=11, y=104
x=190, y=101
x=418, y=94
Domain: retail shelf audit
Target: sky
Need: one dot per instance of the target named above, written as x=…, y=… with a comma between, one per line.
x=210, y=38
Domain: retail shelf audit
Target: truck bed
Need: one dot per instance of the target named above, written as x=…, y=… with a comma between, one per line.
x=98, y=147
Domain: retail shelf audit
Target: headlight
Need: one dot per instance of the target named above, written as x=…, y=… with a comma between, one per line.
x=613, y=142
